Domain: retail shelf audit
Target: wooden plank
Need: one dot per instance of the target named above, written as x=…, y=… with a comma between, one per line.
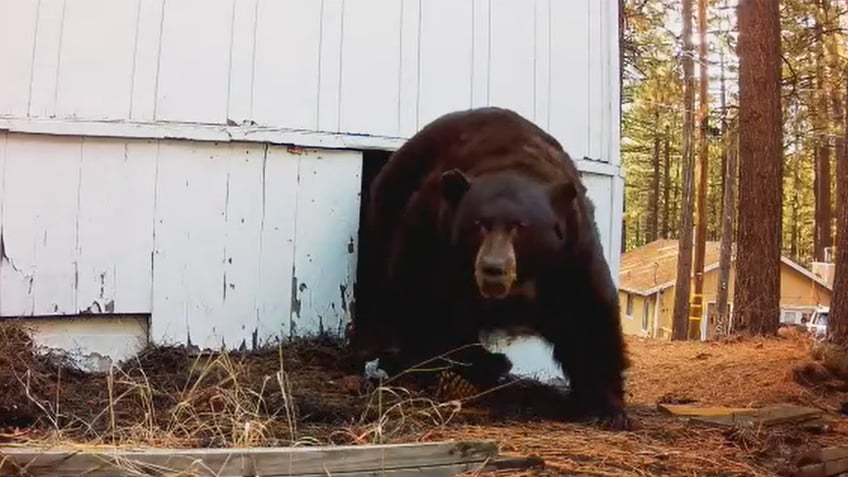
x=767, y=416
x=95, y=72
x=824, y=469
x=445, y=58
x=240, y=95
x=684, y=410
x=189, y=243
x=398, y=459
x=480, y=53
x=45, y=66
x=146, y=60
x=512, y=56
x=285, y=91
x=330, y=76
x=370, y=66
x=569, y=104
x=116, y=201
x=197, y=93
x=242, y=236
x=410, y=54
x=542, y=63
x=17, y=40
x=276, y=248
x=325, y=249
x=39, y=225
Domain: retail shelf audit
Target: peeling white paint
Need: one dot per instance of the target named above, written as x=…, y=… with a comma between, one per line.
x=94, y=342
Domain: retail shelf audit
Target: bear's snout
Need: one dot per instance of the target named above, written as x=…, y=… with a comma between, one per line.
x=495, y=268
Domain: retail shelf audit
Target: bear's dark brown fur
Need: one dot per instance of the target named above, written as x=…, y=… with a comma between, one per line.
x=480, y=222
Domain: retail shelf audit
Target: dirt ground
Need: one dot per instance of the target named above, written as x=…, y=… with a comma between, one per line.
x=307, y=393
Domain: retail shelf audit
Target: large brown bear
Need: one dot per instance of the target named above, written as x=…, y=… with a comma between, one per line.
x=480, y=223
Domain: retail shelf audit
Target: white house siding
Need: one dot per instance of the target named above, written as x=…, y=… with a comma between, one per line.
x=223, y=243
x=380, y=68
x=146, y=161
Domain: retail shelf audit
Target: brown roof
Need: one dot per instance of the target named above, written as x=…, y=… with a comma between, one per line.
x=654, y=265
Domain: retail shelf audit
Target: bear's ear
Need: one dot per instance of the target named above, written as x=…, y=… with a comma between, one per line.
x=562, y=193
x=454, y=185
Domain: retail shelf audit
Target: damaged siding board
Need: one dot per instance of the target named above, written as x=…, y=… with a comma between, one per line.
x=40, y=200
x=242, y=241
x=194, y=64
x=96, y=59
x=276, y=249
x=116, y=226
x=17, y=40
x=325, y=240
x=189, y=242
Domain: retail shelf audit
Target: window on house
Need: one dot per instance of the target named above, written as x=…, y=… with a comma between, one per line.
x=646, y=308
x=629, y=307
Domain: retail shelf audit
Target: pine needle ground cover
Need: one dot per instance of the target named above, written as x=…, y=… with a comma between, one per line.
x=307, y=394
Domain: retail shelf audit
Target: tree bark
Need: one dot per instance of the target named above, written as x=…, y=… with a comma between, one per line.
x=727, y=214
x=824, y=213
x=838, y=319
x=654, y=204
x=666, y=184
x=697, y=304
x=757, y=290
x=680, y=317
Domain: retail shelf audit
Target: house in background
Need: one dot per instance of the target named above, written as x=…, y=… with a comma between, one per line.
x=647, y=282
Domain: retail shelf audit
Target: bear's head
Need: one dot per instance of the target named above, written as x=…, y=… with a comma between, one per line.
x=510, y=226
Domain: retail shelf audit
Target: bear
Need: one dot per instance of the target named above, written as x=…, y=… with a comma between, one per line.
x=480, y=223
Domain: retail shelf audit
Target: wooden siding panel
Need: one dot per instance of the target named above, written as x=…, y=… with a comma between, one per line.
x=146, y=60
x=194, y=67
x=446, y=46
x=240, y=96
x=115, y=226
x=480, y=57
x=569, y=101
x=275, y=293
x=96, y=59
x=410, y=59
x=326, y=240
x=188, y=283
x=370, y=64
x=17, y=42
x=513, y=56
x=288, y=42
x=45, y=57
x=40, y=197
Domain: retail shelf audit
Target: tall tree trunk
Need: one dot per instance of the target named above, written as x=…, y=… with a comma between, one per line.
x=654, y=204
x=838, y=322
x=697, y=311
x=723, y=99
x=666, y=222
x=796, y=198
x=757, y=291
x=680, y=318
x=722, y=318
x=824, y=212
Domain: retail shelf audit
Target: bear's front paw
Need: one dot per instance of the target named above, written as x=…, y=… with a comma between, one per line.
x=609, y=416
x=617, y=422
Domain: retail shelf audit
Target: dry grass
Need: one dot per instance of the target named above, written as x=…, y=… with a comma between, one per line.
x=306, y=394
